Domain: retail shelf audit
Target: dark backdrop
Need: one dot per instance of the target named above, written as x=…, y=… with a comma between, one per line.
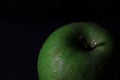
x=24, y=26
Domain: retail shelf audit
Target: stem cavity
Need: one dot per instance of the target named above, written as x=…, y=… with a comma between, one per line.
x=88, y=46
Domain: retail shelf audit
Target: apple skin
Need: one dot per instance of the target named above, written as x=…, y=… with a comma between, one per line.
x=63, y=56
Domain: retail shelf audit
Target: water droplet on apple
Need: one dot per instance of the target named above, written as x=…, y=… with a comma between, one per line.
x=54, y=70
x=56, y=64
x=94, y=42
x=59, y=58
x=71, y=70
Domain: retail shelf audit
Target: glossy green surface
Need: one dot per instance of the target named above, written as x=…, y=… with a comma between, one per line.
x=61, y=57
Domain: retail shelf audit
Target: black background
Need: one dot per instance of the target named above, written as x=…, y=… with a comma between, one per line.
x=24, y=26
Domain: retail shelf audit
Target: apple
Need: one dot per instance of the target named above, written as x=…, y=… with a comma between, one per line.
x=75, y=51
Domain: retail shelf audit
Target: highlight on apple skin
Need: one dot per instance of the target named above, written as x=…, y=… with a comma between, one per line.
x=75, y=51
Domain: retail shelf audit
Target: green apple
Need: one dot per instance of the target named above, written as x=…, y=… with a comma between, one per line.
x=75, y=51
